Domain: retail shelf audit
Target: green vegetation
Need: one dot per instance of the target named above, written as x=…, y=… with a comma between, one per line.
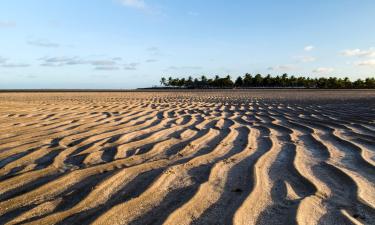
x=284, y=81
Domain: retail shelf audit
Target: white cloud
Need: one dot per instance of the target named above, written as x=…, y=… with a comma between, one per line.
x=370, y=62
x=306, y=59
x=323, y=70
x=309, y=48
x=282, y=68
x=43, y=43
x=137, y=4
x=360, y=53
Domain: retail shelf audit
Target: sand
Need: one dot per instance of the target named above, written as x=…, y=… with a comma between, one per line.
x=213, y=157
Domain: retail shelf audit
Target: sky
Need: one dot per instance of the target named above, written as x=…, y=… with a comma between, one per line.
x=133, y=43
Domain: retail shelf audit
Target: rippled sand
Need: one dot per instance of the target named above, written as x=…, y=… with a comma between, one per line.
x=214, y=157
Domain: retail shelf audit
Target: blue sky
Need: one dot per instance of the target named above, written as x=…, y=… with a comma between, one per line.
x=132, y=43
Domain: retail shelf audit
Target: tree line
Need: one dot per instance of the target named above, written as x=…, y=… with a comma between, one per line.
x=259, y=81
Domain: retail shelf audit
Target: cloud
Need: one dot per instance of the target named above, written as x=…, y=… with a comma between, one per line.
x=306, y=59
x=151, y=60
x=370, y=62
x=308, y=48
x=107, y=68
x=103, y=62
x=7, y=24
x=61, y=61
x=75, y=61
x=142, y=6
x=113, y=63
x=31, y=76
x=153, y=51
x=137, y=4
x=282, y=68
x=66, y=61
x=43, y=43
x=4, y=62
x=14, y=65
x=323, y=70
x=358, y=52
x=131, y=66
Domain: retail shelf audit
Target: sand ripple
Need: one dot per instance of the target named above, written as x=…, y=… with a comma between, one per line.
x=251, y=157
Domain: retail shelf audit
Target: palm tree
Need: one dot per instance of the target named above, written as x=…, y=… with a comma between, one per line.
x=170, y=80
x=258, y=80
x=239, y=82
x=204, y=81
x=247, y=80
x=284, y=80
x=163, y=81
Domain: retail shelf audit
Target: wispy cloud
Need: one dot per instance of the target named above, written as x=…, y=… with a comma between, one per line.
x=131, y=66
x=4, y=62
x=282, y=68
x=154, y=51
x=359, y=52
x=65, y=61
x=61, y=61
x=14, y=65
x=103, y=62
x=308, y=48
x=28, y=76
x=107, y=68
x=43, y=43
x=7, y=24
x=113, y=63
x=323, y=70
x=305, y=59
x=370, y=62
x=151, y=60
x=137, y=4
x=142, y=5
